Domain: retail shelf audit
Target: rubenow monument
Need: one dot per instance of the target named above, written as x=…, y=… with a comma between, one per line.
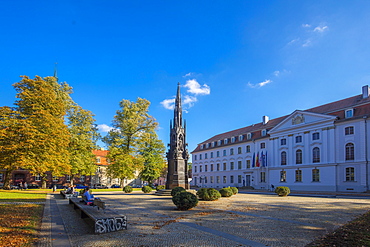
x=177, y=155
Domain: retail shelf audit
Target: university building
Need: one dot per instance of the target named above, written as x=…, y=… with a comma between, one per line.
x=325, y=148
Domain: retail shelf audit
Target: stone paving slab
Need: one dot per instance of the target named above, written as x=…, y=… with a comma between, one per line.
x=241, y=220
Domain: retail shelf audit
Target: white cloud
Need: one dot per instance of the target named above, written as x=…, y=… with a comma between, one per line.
x=188, y=74
x=320, y=29
x=196, y=88
x=168, y=104
x=306, y=25
x=293, y=41
x=104, y=128
x=307, y=43
x=258, y=85
x=276, y=73
x=189, y=100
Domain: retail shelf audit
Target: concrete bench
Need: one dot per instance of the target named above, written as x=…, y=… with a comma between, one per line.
x=66, y=195
x=104, y=220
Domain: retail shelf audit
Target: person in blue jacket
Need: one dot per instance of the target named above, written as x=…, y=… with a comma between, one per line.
x=89, y=197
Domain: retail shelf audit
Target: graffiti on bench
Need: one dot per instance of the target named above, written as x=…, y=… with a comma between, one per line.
x=110, y=224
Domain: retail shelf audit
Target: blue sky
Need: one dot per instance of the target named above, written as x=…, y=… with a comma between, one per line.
x=235, y=60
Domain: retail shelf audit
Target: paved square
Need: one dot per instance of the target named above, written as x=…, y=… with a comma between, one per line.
x=241, y=220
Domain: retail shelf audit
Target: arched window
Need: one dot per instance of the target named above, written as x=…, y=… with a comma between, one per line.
x=283, y=158
x=316, y=155
x=350, y=151
x=298, y=156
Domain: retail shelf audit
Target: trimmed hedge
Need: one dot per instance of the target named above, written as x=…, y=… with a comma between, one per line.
x=127, y=189
x=185, y=200
x=146, y=189
x=235, y=190
x=226, y=192
x=176, y=190
x=282, y=190
x=208, y=194
x=160, y=187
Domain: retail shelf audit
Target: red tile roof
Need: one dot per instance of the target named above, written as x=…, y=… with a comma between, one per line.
x=361, y=108
x=102, y=154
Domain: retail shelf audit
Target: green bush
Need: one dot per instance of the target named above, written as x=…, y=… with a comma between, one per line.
x=282, y=190
x=226, y=192
x=235, y=190
x=185, y=200
x=211, y=195
x=127, y=189
x=201, y=192
x=146, y=189
x=176, y=190
x=161, y=187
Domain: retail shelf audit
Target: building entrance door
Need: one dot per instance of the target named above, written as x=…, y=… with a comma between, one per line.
x=247, y=180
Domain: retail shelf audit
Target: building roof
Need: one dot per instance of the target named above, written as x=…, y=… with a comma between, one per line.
x=102, y=154
x=360, y=105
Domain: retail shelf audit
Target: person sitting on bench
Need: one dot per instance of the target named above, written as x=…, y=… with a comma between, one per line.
x=89, y=197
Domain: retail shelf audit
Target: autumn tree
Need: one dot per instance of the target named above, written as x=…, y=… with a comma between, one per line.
x=152, y=151
x=83, y=138
x=131, y=125
x=42, y=104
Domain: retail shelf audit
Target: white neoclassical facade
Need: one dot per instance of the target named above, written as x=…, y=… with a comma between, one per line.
x=325, y=148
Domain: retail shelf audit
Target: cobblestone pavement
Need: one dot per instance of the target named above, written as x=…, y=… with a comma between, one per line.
x=241, y=220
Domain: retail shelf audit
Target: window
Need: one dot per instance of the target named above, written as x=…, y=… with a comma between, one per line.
x=205, y=155
x=231, y=165
x=219, y=142
x=1, y=177
x=200, y=169
x=239, y=165
x=298, y=156
x=231, y=151
x=349, y=130
x=201, y=146
x=206, y=168
x=282, y=176
x=263, y=132
x=263, y=177
x=263, y=145
x=349, y=113
x=195, y=157
x=239, y=150
x=240, y=138
x=211, y=155
x=316, y=136
x=200, y=156
x=248, y=149
x=38, y=177
x=224, y=153
x=218, y=153
x=283, y=142
x=225, y=141
x=233, y=139
x=195, y=168
x=224, y=180
x=98, y=160
x=218, y=179
x=298, y=139
x=298, y=175
x=213, y=144
x=350, y=151
x=211, y=167
x=283, y=158
x=231, y=179
x=249, y=136
x=98, y=169
x=205, y=180
x=316, y=155
x=248, y=163
x=224, y=166
x=350, y=174
x=315, y=175
x=207, y=145
x=239, y=179
x=82, y=178
x=68, y=178
x=211, y=179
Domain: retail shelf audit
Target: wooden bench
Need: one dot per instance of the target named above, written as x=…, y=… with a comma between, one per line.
x=104, y=220
x=66, y=195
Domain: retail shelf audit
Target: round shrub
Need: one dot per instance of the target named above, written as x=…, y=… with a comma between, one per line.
x=226, y=192
x=185, y=200
x=211, y=195
x=127, y=189
x=282, y=190
x=146, y=189
x=201, y=192
x=176, y=190
x=161, y=187
x=235, y=190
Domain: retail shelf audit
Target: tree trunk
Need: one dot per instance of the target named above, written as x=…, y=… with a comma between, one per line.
x=7, y=177
x=44, y=179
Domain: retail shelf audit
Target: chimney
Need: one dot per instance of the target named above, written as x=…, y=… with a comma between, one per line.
x=265, y=119
x=365, y=92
